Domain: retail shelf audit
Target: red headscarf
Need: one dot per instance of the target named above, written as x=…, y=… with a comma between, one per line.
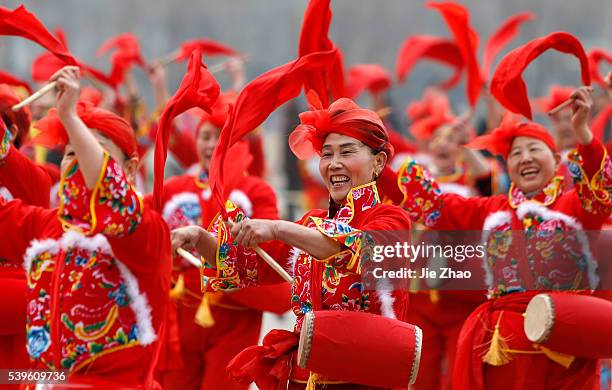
x=500, y=140
x=107, y=123
x=429, y=113
x=343, y=117
x=21, y=118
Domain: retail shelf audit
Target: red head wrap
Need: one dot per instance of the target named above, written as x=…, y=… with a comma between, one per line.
x=107, y=123
x=21, y=118
x=342, y=117
x=500, y=140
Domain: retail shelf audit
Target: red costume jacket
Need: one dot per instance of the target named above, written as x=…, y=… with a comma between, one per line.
x=98, y=273
x=334, y=283
x=532, y=244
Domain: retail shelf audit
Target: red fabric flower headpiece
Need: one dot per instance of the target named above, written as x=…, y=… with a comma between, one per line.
x=343, y=117
x=107, y=123
x=500, y=140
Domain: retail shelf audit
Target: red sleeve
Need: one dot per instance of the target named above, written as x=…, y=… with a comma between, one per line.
x=592, y=156
x=24, y=179
x=591, y=168
x=21, y=224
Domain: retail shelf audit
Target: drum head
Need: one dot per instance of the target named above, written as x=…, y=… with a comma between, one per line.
x=539, y=318
x=305, y=339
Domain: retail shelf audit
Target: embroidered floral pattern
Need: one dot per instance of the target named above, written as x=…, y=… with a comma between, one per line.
x=112, y=208
x=546, y=197
x=5, y=140
x=87, y=328
x=422, y=198
x=595, y=192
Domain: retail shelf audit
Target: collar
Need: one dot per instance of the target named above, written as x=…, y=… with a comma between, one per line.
x=546, y=197
x=358, y=200
x=201, y=179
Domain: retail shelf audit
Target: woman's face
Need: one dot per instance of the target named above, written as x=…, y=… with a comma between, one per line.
x=130, y=166
x=207, y=138
x=347, y=163
x=444, y=148
x=531, y=164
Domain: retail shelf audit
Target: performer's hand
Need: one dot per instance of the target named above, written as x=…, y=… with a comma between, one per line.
x=581, y=113
x=68, y=86
x=186, y=237
x=251, y=232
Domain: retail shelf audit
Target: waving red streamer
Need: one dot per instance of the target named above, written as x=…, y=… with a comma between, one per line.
x=372, y=77
x=327, y=83
x=596, y=55
x=198, y=89
x=500, y=38
x=9, y=79
x=22, y=23
x=207, y=47
x=438, y=49
x=507, y=84
x=126, y=54
x=256, y=102
x=457, y=19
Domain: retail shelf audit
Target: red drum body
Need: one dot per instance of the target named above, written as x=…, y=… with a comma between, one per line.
x=360, y=348
x=573, y=324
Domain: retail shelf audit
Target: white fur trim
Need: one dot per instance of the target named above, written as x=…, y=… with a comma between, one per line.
x=294, y=254
x=492, y=221
x=176, y=201
x=241, y=200
x=36, y=248
x=72, y=239
x=5, y=193
x=139, y=304
x=383, y=290
x=206, y=194
x=547, y=214
x=454, y=188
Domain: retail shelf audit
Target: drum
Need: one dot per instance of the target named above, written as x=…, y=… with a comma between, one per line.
x=360, y=348
x=573, y=324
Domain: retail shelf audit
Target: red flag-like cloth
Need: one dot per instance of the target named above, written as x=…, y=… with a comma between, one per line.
x=46, y=64
x=504, y=34
x=595, y=57
x=438, y=49
x=127, y=53
x=198, y=89
x=507, y=84
x=207, y=47
x=22, y=23
x=257, y=100
x=327, y=83
x=372, y=77
x=9, y=79
x=458, y=20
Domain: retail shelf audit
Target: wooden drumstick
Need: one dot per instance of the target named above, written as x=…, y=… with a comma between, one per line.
x=189, y=257
x=36, y=95
x=561, y=107
x=272, y=263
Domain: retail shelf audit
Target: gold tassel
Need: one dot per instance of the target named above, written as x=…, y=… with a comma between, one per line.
x=496, y=355
x=557, y=357
x=204, y=316
x=434, y=296
x=312, y=381
x=179, y=288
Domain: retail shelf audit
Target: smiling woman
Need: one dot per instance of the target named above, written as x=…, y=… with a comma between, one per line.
x=325, y=250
